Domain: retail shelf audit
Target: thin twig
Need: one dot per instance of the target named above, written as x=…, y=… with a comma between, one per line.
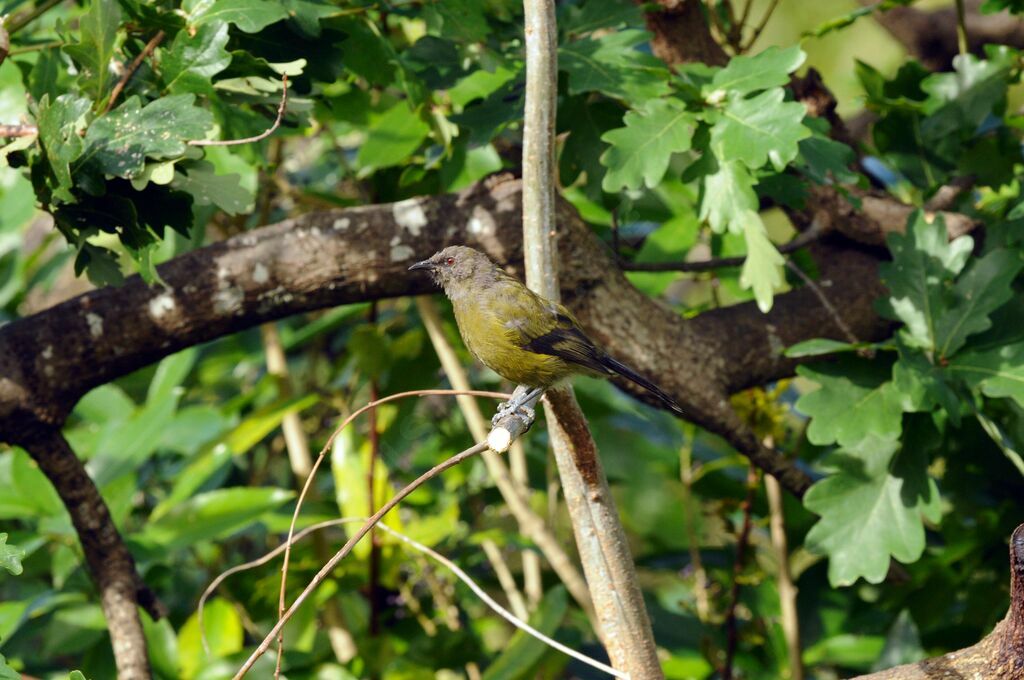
x=263, y=135
x=761, y=26
x=829, y=307
x=690, y=509
x=323, y=453
x=804, y=238
x=25, y=49
x=21, y=20
x=19, y=130
x=505, y=579
x=136, y=63
x=787, y=590
x=961, y=27
x=737, y=568
x=371, y=470
x=326, y=570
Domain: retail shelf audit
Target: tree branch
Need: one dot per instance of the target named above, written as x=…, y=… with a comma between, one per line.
x=50, y=359
x=932, y=36
x=110, y=564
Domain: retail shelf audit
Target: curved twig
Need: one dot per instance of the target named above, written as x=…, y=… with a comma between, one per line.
x=261, y=136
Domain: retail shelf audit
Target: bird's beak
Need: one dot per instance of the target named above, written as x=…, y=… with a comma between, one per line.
x=426, y=264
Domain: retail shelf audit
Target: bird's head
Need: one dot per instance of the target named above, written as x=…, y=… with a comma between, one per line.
x=455, y=264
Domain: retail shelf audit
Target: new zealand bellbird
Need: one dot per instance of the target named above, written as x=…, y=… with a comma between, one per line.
x=516, y=333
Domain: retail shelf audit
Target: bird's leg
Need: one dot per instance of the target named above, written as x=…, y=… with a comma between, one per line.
x=512, y=405
x=521, y=396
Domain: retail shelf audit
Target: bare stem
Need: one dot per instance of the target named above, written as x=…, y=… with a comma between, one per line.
x=961, y=27
x=600, y=537
x=787, y=591
x=136, y=63
x=263, y=135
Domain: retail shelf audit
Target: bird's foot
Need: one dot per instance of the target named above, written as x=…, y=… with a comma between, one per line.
x=509, y=407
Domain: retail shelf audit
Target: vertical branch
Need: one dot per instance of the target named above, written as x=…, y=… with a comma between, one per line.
x=110, y=564
x=533, y=588
x=690, y=510
x=732, y=631
x=787, y=591
x=961, y=27
x=600, y=537
x=374, y=562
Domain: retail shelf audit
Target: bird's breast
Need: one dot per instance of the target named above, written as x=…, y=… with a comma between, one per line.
x=494, y=341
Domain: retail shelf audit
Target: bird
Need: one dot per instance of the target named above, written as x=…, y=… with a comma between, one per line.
x=527, y=339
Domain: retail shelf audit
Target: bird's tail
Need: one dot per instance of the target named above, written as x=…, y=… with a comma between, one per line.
x=627, y=372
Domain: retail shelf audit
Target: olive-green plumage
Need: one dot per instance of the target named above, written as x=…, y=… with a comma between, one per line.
x=516, y=333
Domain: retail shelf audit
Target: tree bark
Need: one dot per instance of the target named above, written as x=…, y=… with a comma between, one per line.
x=110, y=564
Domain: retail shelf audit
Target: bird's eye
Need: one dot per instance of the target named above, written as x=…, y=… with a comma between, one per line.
x=450, y=261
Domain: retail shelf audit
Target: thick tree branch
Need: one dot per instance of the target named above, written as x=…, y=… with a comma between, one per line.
x=50, y=359
x=673, y=42
x=931, y=36
x=109, y=562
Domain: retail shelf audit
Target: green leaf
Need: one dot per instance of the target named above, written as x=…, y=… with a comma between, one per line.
x=461, y=19
x=978, y=292
x=819, y=346
x=95, y=48
x=746, y=74
x=611, y=64
x=856, y=401
x=922, y=385
x=640, y=151
x=250, y=16
x=1001, y=439
x=392, y=138
x=192, y=60
x=27, y=491
x=997, y=371
x=307, y=15
x=6, y=672
x=727, y=194
x=760, y=129
x=762, y=268
x=60, y=122
x=252, y=430
x=958, y=102
x=224, y=634
x=10, y=556
x=350, y=463
x=902, y=644
x=597, y=14
x=871, y=509
x=98, y=262
x=826, y=160
x=212, y=515
x=227, y=192
x=523, y=653
x=923, y=261
x=118, y=143
x=170, y=373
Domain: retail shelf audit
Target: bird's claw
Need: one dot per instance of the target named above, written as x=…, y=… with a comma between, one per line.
x=513, y=407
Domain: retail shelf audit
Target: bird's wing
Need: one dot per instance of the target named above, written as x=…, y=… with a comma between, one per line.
x=544, y=327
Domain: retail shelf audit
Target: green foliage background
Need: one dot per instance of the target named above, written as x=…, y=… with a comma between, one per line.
x=914, y=441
